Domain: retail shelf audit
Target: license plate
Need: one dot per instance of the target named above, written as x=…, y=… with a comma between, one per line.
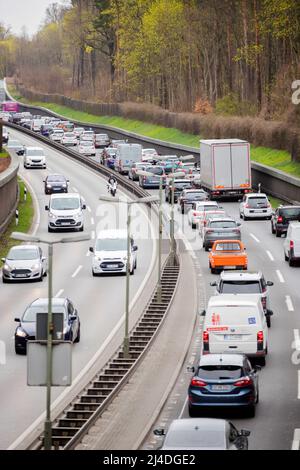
x=113, y=266
x=21, y=275
x=65, y=223
x=233, y=337
x=221, y=388
x=228, y=267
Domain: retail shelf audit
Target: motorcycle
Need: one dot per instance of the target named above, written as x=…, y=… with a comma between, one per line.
x=112, y=188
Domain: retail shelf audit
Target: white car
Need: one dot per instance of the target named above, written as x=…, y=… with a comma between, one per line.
x=5, y=135
x=86, y=147
x=291, y=244
x=255, y=205
x=65, y=212
x=88, y=135
x=198, y=210
x=24, y=262
x=57, y=135
x=34, y=157
x=110, y=253
x=4, y=116
x=69, y=139
x=78, y=131
x=101, y=140
x=148, y=154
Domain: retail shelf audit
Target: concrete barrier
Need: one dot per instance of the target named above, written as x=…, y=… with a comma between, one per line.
x=9, y=192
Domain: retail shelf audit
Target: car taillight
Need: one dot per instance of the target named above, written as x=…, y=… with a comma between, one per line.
x=280, y=219
x=291, y=244
x=243, y=382
x=260, y=336
x=198, y=383
x=205, y=336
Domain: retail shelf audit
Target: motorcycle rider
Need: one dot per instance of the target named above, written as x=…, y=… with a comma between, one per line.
x=112, y=184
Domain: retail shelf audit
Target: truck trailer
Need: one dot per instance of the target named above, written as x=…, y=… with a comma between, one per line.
x=225, y=167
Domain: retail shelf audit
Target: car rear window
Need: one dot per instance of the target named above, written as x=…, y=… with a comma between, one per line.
x=257, y=202
x=228, y=247
x=155, y=170
x=222, y=224
x=290, y=212
x=240, y=287
x=220, y=372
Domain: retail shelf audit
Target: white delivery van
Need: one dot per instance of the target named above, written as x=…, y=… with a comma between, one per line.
x=110, y=253
x=65, y=212
x=36, y=124
x=34, y=157
x=292, y=243
x=235, y=324
x=126, y=155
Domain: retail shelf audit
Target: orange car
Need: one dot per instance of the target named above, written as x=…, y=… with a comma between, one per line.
x=227, y=254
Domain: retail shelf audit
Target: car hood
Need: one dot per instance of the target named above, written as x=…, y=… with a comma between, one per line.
x=22, y=264
x=65, y=213
x=111, y=254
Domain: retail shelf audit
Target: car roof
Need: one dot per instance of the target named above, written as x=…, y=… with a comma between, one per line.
x=44, y=301
x=205, y=424
x=256, y=195
x=244, y=300
x=24, y=247
x=34, y=148
x=236, y=275
x=221, y=359
x=194, y=190
x=64, y=196
x=115, y=233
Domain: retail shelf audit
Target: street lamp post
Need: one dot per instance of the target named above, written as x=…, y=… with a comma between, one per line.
x=35, y=239
x=142, y=200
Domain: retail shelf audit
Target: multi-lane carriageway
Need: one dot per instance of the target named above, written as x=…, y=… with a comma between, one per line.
x=277, y=421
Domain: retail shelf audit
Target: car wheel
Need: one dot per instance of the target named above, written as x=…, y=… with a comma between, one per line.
x=50, y=230
x=192, y=412
x=40, y=279
x=206, y=247
x=135, y=264
x=78, y=336
x=93, y=273
x=45, y=273
x=251, y=411
x=291, y=262
x=81, y=229
x=245, y=218
x=286, y=257
x=182, y=210
x=4, y=280
x=132, y=271
x=241, y=215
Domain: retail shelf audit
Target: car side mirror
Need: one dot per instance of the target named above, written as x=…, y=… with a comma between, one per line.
x=245, y=433
x=91, y=249
x=202, y=313
x=238, y=224
x=134, y=248
x=159, y=432
x=43, y=258
x=18, y=320
x=44, y=181
x=83, y=206
x=46, y=208
x=270, y=283
x=240, y=200
x=213, y=284
x=73, y=317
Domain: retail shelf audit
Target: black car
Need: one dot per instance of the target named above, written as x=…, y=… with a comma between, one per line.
x=26, y=329
x=281, y=218
x=179, y=186
x=56, y=184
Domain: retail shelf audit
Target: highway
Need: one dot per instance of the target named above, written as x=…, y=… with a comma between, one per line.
x=100, y=301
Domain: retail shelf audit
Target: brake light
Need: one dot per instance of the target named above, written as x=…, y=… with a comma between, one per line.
x=198, y=383
x=244, y=382
x=247, y=206
x=291, y=244
x=205, y=336
x=280, y=219
x=260, y=336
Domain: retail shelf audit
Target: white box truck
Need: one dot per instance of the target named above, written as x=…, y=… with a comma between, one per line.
x=126, y=155
x=225, y=167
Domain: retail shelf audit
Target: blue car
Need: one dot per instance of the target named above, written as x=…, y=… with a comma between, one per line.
x=224, y=380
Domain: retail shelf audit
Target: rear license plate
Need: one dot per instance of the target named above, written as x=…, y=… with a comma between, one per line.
x=228, y=267
x=221, y=388
x=233, y=337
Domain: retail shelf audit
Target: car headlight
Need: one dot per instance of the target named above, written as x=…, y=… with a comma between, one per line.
x=35, y=266
x=52, y=216
x=64, y=185
x=6, y=267
x=125, y=259
x=20, y=332
x=48, y=185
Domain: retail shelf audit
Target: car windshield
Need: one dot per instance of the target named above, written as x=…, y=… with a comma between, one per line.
x=207, y=208
x=70, y=135
x=182, y=185
x=240, y=287
x=30, y=313
x=57, y=131
x=195, y=438
x=220, y=372
x=257, y=202
x=195, y=196
x=22, y=254
x=227, y=247
x=290, y=212
x=34, y=152
x=56, y=178
x=222, y=224
x=111, y=244
x=155, y=170
x=65, y=204
x=86, y=143
x=101, y=137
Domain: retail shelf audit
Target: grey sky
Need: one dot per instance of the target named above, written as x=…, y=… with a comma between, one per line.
x=30, y=13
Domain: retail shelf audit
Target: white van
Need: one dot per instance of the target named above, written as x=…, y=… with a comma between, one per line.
x=65, y=212
x=36, y=124
x=34, y=157
x=110, y=253
x=126, y=155
x=291, y=244
x=235, y=324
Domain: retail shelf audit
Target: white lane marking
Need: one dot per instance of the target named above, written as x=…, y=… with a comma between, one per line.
x=77, y=271
x=298, y=385
x=92, y=235
x=39, y=422
x=296, y=440
x=280, y=276
x=270, y=255
x=183, y=408
x=88, y=253
x=289, y=303
x=75, y=190
x=254, y=238
x=83, y=198
x=297, y=340
x=92, y=221
x=89, y=209
x=59, y=293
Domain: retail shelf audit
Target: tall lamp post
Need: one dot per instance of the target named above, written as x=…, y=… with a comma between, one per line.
x=36, y=239
x=143, y=200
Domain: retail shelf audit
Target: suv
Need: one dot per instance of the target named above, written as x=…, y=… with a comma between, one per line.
x=255, y=205
x=246, y=283
x=65, y=211
x=282, y=217
x=292, y=243
x=34, y=157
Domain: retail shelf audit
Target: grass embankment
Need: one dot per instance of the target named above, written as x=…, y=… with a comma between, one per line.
x=279, y=159
x=3, y=154
x=26, y=213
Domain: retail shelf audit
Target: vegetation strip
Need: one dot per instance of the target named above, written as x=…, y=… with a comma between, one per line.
x=26, y=213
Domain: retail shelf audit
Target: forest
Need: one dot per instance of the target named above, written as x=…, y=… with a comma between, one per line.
x=229, y=57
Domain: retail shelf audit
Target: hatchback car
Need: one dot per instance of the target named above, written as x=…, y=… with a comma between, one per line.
x=223, y=380
x=189, y=196
x=86, y=147
x=24, y=263
x=203, y=434
x=255, y=205
x=249, y=282
x=57, y=135
x=56, y=184
x=220, y=229
x=101, y=140
x=281, y=218
x=26, y=329
x=69, y=139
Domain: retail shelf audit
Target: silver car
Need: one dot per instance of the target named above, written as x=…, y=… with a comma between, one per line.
x=220, y=229
x=203, y=434
x=24, y=262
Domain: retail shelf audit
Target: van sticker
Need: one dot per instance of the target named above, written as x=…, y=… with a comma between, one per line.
x=217, y=328
x=215, y=319
x=252, y=321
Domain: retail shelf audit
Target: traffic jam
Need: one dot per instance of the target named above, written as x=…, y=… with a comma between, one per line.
x=237, y=319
